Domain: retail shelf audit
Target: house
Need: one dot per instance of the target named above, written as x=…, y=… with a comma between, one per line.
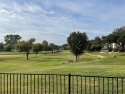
x=109, y=47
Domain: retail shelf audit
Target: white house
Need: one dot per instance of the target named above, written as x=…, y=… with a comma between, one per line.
x=109, y=47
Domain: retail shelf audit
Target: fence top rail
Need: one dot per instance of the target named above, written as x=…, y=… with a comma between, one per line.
x=99, y=76
x=77, y=75
x=34, y=74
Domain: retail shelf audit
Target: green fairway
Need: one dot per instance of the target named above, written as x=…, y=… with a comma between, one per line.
x=103, y=64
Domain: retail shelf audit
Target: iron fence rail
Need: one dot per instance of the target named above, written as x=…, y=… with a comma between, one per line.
x=17, y=83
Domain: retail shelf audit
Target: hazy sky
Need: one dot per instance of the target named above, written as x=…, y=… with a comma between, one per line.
x=54, y=20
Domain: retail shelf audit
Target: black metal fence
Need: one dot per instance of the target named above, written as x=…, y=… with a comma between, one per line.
x=13, y=83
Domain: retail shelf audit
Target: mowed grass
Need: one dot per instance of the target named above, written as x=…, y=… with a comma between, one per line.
x=57, y=63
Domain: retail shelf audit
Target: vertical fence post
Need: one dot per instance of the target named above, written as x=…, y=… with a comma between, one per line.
x=69, y=80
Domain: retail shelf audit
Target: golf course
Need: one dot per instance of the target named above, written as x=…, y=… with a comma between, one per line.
x=90, y=63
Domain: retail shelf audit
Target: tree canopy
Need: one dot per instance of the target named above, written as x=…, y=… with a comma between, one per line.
x=95, y=44
x=65, y=46
x=25, y=46
x=1, y=46
x=37, y=48
x=11, y=40
x=53, y=47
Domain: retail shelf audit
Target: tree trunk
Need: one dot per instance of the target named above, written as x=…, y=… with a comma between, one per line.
x=76, y=58
x=123, y=48
x=27, y=55
x=13, y=50
x=36, y=55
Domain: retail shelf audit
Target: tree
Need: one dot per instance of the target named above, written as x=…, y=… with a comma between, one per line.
x=65, y=46
x=104, y=40
x=96, y=44
x=45, y=45
x=1, y=46
x=25, y=46
x=8, y=47
x=11, y=40
x=37, y=48
x=88, y=46
x=53, y=47
x=118, y=37
x=77, y=42
x=32, y=40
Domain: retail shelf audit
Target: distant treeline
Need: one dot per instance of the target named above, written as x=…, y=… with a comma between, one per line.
x=11, y=41
x=76, y=43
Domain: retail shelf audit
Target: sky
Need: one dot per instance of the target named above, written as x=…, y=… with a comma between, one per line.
x=54, y=20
